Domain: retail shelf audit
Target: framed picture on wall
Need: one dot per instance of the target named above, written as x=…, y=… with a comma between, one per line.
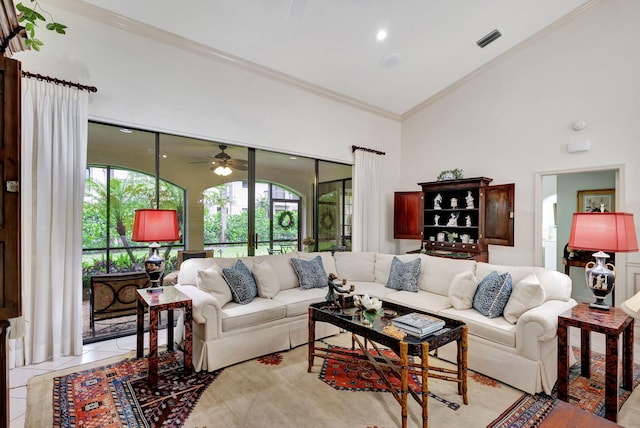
x=596, y=200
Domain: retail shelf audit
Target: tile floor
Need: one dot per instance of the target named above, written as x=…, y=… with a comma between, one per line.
x=18, y=377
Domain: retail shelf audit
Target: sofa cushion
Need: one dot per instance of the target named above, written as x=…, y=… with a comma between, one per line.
x=297, y=300
x=422, y=300
x=497, y=329
x=311, y=273
x=463, y=288
x=438, y=272
x=243, y=285
x=404, y=276
x=382, y=265
x=281, y=264
x=373, y=289
x=266, y=279
x=355, y=266
x=211, y=281
x=236, y=316
x=557, y=285
x=526, y=294
x=492, y=294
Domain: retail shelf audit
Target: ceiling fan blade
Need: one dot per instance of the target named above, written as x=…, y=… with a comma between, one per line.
x=240, y=165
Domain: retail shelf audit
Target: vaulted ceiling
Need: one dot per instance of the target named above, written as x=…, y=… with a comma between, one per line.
x=331, y=45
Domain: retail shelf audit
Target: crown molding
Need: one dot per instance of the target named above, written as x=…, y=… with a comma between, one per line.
x=107, y=17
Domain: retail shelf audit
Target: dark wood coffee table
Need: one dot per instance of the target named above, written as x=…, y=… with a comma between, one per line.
x=399, y=367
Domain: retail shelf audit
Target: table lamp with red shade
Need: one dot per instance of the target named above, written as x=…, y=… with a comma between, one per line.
x=603, y=232
x=150, y=225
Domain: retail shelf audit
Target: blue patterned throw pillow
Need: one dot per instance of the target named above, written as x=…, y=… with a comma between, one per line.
x=243, y=286
x=404, y=276
x=311, y=273
x=492, y=294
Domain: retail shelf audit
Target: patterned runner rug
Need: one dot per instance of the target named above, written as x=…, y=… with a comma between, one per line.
x=588, y=394
x=118, y=395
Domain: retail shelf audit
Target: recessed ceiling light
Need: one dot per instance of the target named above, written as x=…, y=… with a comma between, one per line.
x=126, y=130
x=293, y=157
x=164, y=156
x=381, y=35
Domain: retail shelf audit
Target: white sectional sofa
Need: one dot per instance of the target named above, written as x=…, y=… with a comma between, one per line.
x=521, y=353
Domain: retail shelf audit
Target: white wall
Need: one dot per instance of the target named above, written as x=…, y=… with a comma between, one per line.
x=514, y=119
x=145, y=84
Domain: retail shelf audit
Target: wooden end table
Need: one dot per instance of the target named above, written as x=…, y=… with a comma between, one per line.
x=167, y=299
x=611, y=323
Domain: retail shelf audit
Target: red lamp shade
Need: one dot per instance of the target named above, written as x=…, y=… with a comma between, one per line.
x=155, y=226
x=608, y=232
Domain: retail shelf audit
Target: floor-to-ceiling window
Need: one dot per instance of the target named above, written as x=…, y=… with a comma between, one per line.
x=234, y=200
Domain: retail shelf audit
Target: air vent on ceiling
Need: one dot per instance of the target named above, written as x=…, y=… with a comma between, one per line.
x=489, y=38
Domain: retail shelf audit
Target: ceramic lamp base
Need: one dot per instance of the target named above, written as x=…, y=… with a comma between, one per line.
x=600, y=277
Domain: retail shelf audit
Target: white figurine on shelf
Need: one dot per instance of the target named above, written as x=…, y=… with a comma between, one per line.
x=453, y=220
x=454, y=202
x=437, y=201
x=468, y=220
x=469, y=200
x=436, y=219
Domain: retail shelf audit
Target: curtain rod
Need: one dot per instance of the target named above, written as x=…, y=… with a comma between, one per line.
x=354, y=148
x=59, y=81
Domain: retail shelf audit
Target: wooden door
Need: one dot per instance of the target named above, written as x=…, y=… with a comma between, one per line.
x=408, y=211
x=10, y=288
x=499, y=214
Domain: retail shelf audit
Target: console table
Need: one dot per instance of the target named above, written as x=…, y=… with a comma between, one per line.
x=165, y=299
x=611, y=323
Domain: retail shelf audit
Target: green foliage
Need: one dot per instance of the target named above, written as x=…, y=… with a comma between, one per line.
x=30, y=17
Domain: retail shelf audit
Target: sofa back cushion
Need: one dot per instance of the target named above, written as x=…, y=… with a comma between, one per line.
x=281, y=264
x=557, y=285
x=189, y=268
x=437, y=273
x=355, y=266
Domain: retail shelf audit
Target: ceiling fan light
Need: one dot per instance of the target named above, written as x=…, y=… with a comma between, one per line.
x=222, y=170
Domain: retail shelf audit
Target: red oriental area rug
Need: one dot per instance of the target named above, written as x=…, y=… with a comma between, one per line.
x=118, y=394
x=359, y=375
x=586, y=393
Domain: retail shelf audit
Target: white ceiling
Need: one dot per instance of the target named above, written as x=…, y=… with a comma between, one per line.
x=330, y=45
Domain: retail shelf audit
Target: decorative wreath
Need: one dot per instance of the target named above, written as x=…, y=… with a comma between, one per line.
x=327, y=220
x=285, y=219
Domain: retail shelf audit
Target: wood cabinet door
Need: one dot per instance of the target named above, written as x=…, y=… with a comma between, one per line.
x=10, y=293
x=408, y=211
x=499, y=214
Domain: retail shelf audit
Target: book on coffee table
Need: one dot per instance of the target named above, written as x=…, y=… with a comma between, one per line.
x=416, y=324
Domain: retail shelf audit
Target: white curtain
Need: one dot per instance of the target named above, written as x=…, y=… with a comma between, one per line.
x=54, y=157
x=367, y=171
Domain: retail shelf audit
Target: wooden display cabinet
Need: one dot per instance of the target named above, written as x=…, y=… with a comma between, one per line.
x=446, y=211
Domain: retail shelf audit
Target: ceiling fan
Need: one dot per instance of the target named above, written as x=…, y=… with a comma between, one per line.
x=223, y=163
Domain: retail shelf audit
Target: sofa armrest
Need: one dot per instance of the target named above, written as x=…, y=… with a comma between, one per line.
x=206, y=310
x=171, y=278
x=539, y=324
